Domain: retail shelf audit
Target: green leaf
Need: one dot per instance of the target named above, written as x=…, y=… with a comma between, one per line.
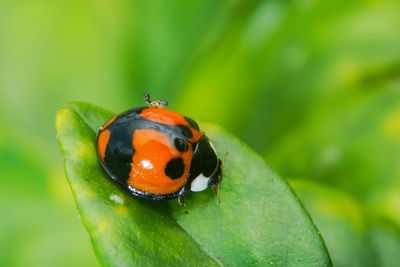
x=353, y=235
x=259, y=222
x=341, y=222
x=385, y=237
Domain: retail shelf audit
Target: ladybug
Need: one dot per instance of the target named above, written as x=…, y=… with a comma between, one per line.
x=157, y=153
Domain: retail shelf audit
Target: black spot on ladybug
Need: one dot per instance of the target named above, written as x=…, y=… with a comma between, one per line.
x=119, y=152
x=175, y=168
x=192, y=123
x=180, y=144
x=185, y=131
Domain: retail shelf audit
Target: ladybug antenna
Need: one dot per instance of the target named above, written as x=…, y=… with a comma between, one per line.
x=224, y=159
x=156, y=103
x=218, y=190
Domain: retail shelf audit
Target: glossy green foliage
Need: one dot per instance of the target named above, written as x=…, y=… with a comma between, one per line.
x=260, y=221
x=354, y=236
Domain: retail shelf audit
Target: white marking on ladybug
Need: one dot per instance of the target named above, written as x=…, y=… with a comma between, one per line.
x=200, y=183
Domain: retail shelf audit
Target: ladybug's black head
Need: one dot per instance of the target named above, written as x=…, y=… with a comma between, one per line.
x=206, y=167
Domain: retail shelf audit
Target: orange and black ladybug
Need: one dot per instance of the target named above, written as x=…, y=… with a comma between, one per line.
x=157, y=153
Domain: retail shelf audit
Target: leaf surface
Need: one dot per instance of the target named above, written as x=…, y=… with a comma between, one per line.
x=260, y=221
x=353, y=235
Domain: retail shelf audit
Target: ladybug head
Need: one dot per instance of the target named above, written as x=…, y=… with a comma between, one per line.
x=206, y=167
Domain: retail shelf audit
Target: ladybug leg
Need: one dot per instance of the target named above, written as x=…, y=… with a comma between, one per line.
x=181, y=201
x=147, y=98
x=216, y=189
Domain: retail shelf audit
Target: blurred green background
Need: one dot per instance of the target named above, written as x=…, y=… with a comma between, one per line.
x=313, y=86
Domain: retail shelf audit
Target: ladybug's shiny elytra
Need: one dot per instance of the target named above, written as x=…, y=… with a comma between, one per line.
x=158, y=154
